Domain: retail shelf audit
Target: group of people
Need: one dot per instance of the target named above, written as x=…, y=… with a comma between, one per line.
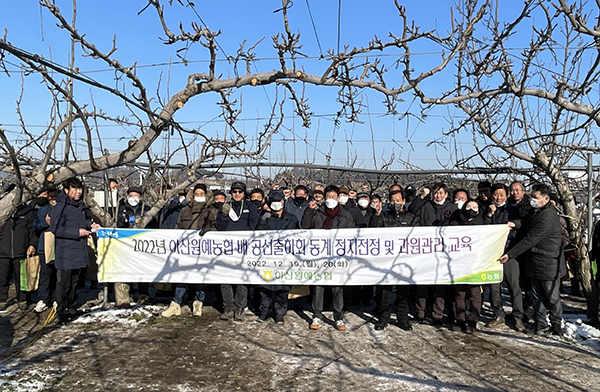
x=533, y=259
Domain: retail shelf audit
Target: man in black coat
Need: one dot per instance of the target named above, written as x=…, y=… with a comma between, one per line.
x=238, y=215
x=70, y=226
x=545, y=261
x=438, y=211
x=329, y=216
x=17, y=241
x=274, y=298
x=396, y=215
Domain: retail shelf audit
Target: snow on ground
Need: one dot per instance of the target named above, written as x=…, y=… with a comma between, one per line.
x=132, y=316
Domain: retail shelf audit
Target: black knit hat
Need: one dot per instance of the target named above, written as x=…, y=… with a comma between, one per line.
x=135, y=189
x=200, y=186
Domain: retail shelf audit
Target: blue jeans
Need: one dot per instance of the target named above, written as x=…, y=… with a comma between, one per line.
x=181, y=289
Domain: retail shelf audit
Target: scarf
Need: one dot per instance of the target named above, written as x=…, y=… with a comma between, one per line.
x=232, y=214
x=328, y=223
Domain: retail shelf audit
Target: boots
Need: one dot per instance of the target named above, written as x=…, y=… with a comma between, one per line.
x=197, y=308
x=173, y=310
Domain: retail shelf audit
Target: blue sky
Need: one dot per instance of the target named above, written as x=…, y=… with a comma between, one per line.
x=138, y=40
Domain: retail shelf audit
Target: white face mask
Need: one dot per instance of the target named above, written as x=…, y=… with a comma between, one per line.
x=133, y=201
x=343, y=199
x=276, y=205
x=181, y=199
x=535, y=203
x=200, y=199
x=373, y=205
x=363, y=203
x=500, y=205
x=459, y=204
x=331, y=203
x=439, y=203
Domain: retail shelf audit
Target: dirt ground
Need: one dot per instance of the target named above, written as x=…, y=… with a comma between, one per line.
x=143, y=352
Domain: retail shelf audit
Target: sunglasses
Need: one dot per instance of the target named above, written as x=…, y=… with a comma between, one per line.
x=237, y=191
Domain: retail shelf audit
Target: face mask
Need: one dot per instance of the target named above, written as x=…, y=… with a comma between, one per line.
x=331, y=203
x=182, y=199
x=277, y=205
x=363, y=203
x=300, y=199
x=218, y=204
x=133, y=201
x=439, y=203
x=459, y=204
x=535, y=203
x=41, y=201
x=200, y=199
x=257, y=203
x=398, y=207
x=500, y=205
x=472, y=214
x=343, y=200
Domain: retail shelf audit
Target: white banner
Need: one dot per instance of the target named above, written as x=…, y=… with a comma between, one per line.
x=412, y=255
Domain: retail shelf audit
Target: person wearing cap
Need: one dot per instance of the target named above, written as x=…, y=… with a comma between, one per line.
x=274, y=298
x=328, y=216
x=349, y=206
x=299, y=203
x=197, y=215
x=129, y=213
x=237, y=215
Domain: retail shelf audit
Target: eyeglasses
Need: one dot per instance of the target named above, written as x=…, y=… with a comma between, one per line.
x=237, y=191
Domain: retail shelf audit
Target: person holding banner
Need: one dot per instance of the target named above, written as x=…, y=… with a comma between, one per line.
x=471, y=213
x=238, y=215
x=328, y=216
x=498, y=213
x=199, y=214
x=396, y=215
x=274, y=298
x=545, y=262
x=71, y=228
x=438, y=211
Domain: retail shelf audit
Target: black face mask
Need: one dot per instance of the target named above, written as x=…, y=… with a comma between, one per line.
x=218, y=204
x=471, y=213
x=398, y=207
x=41, y=201
x=258, y=203
x=300, y=199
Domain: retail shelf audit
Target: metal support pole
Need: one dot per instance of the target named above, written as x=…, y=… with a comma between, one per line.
x=590, y=204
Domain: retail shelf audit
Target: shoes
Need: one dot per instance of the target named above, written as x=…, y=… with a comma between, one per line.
x=143, y=299
x=3, y=306
x=470, y=329
x=457, y=327
x=174, y=309
x=544, y=331
x=227, y=315
x=279, y=320
x=262, y=319
x=197, y=308
x=519, y=326
x=40, y=307
x=339, y=325
x=23, y=305
x=405, y=325
x=316, y=324
x=379, y=326
x=496, y=323
x=238, y=315
x=556, y=330
x=419, y=320
x=438, y=323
